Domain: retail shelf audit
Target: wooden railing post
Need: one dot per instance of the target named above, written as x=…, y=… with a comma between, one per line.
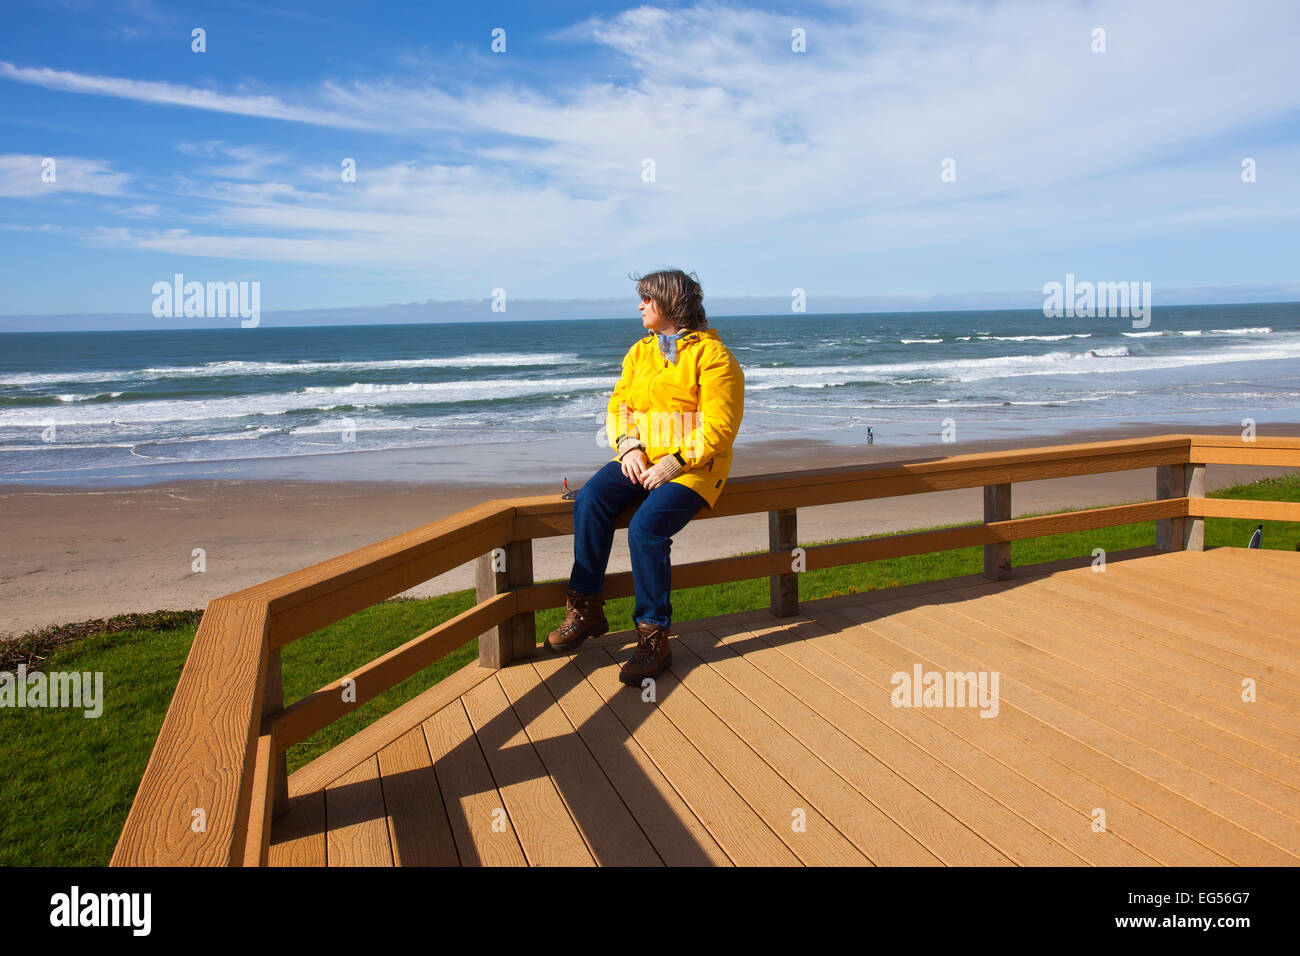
x=273, y=702
x=783, y=537
x=997, y=507
x=1194, y=527
x=516, y=638
x=1171, y=482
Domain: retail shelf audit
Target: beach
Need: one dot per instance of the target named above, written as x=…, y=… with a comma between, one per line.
x=76, y=553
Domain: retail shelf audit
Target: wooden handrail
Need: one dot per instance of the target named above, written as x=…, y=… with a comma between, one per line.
x=219, y=754
x=767, y=564
x=547, y=516
x=1244, y=508
x=299, y=721
x=1235, y=450
x=192, y=806
x=307, y=600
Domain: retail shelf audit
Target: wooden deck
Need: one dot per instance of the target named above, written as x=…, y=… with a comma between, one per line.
x=776, y=741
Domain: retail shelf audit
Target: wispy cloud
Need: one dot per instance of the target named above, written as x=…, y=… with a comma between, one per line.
x=171, y=94
x=242, y=161
x=24, y=176
x=138, y=210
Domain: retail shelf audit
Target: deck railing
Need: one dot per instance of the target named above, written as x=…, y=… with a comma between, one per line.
x=216, y=777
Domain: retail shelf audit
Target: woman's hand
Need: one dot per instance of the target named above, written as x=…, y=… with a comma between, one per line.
x=659, y=474
x=635, y=464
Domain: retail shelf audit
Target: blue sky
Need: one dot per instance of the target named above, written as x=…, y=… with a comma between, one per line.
x=523, y=170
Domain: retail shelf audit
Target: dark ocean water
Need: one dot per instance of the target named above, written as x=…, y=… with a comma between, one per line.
x=117, y=399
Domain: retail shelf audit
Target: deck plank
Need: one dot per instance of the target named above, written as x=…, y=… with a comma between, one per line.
x=808, y=834
x=883, y=841
x=1260, y=621
x=678, y=836
x=1029, y=755
x=952, y=649
x=1135, y=644
x=1212, y=618
x=742, y=834
x=546, y=831
x=1185, y=632
x=610, y=831
x=847, y=699
x=1182, y=737
x=1272, y=588
x=1269, y=803
x=916, y=804
x=373, y=737
x=484, y=832
x=1106, y=768
x=1283, y=559
x=1275, y=571
x=1242, y=734
x=357, y=821
x=1067, y=825
x=773, y=680
x=298, y=838
x=417, y=820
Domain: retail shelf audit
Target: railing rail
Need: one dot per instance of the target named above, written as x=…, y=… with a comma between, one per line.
x=195, y=797
x=216, y=778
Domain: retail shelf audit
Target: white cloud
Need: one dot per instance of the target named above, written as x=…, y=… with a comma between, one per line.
x=246, y=161
x=22, y=176
x=171, y=94
x=138, y=210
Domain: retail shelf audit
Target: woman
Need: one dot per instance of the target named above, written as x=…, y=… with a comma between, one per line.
x=672, y=420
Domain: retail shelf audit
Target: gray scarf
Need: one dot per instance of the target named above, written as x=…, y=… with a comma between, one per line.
x=668, y=345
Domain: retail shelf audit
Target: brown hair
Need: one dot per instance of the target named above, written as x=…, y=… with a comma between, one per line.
x=678, y=297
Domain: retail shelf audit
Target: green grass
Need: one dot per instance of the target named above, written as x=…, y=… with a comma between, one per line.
x=68, y=781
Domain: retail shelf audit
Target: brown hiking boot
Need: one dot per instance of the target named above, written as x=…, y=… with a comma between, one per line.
x=584, y=617
x=652, y=655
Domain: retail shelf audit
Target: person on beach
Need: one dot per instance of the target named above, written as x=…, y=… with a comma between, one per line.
x=672, y=420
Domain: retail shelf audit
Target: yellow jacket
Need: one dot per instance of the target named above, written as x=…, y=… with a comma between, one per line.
x=691, y=409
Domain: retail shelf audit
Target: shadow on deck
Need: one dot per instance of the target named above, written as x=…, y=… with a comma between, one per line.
x=1118, y=732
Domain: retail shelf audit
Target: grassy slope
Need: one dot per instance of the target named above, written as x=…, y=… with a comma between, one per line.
x=69, y=781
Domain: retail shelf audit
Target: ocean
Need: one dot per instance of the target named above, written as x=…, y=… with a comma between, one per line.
x=106, y=408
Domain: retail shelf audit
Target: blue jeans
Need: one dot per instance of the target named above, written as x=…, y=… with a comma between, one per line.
x=663, y=512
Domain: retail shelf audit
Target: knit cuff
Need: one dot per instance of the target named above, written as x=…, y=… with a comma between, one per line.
x=673, y=465
x=626, y=444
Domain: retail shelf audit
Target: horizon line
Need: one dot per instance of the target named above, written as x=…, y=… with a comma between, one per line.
x=727, y=306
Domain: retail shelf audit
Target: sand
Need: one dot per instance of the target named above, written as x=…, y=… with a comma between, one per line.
x=72, y=554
